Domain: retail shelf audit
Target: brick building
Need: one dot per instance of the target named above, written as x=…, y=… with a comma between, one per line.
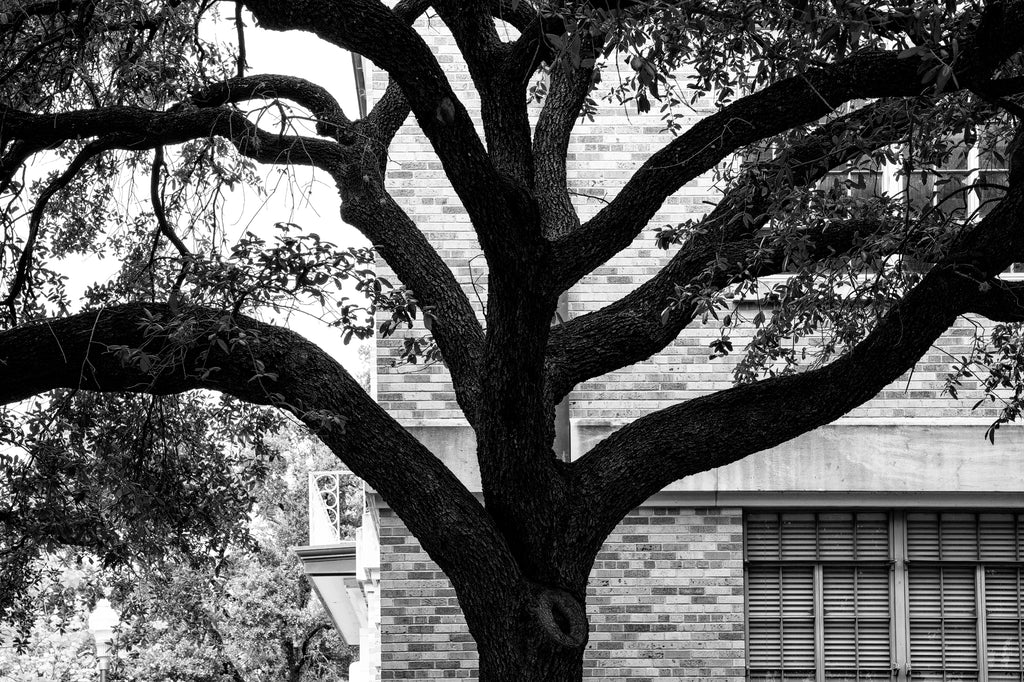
x=887, y=545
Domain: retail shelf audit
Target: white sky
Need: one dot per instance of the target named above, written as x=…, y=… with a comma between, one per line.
x=307, y=199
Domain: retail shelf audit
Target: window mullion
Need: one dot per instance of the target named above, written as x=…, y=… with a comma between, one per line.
x=819, y=623
x=979, y=610
x=900, y=612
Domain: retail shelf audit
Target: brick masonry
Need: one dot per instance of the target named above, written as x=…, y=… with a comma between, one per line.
x=665, y=601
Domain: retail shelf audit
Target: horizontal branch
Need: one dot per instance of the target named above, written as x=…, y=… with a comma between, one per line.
x=139, y=129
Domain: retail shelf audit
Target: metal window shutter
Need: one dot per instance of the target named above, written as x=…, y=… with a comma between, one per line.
x=855, y=597
x=856, y=621
x=781, y=618
x=942, y=595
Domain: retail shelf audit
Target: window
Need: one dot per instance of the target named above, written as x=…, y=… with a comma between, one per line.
x=964, y=186
x=872, y=596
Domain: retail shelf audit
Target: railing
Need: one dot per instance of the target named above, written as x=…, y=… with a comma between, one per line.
x=326, y=503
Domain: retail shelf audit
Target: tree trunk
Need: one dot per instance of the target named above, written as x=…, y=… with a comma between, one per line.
x=539, y=639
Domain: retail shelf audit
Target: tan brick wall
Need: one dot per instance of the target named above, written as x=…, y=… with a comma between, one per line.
x=665, y=601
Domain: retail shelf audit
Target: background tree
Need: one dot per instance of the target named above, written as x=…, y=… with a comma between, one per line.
x=248, y=615
x=178, y=317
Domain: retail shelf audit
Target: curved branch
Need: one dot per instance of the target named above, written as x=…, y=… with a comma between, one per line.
x=458, y=333
x=717, y=429
x=365, y=204
x=632, y=329
x=778, y=107
x=387, y=116
x=158, y=206
x=137, y=129
x=81, y=352
x=16, y=155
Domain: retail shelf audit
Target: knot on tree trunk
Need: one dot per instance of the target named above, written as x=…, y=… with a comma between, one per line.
x=561, y=616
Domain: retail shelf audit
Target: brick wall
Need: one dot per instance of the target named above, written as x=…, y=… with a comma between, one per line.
x=665, y=601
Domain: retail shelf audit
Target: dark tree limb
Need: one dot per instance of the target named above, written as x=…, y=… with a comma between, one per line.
x=717, y=429
x=16, y=155
x=386, y=117
x=503, y=106
x=139, y=129
x=158, y=206
x=356, y=25
x=566, y=95
x=788, y=103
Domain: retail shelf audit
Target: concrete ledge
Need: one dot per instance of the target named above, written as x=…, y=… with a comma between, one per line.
x=863, y=455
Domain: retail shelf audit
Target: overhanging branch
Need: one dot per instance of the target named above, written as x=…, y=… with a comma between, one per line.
x=80, y=352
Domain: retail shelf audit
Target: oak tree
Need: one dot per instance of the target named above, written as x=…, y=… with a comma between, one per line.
x=800, y=87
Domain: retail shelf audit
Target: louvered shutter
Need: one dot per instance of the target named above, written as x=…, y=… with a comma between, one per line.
x=780, y=598
x=942, y=596
x=1002, y=544
x=1004, y=623
x=849, y=555
x=856, y=603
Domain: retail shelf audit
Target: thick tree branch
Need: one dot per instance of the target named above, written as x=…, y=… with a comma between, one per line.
x=502, y=98
x=788, y=103
x=404, y=247
x=138, y=129
x=632, y=329
x=386, y=117
x=568, y=91
x=714, y=430
x=81, y=352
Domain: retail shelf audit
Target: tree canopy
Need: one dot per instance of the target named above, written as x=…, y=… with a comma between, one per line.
x=801, y=87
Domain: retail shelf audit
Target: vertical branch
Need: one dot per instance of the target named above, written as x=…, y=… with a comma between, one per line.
x=240, y=29
x=164, y=227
